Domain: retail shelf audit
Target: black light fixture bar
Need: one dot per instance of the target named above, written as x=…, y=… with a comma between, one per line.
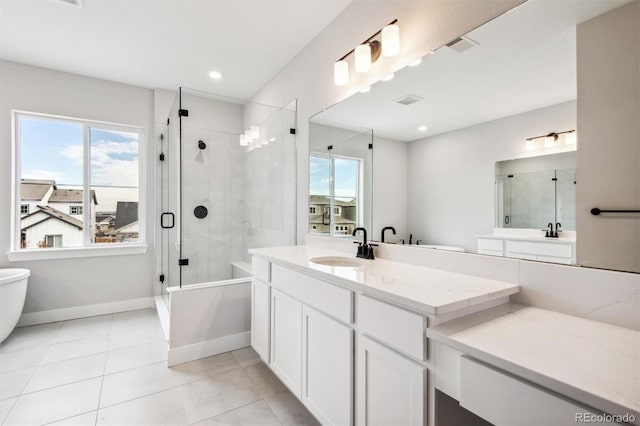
x=552, y=135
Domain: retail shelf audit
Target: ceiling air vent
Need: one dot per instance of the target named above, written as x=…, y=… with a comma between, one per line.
x=76, y=3
x=461, y=44
x=409, y=99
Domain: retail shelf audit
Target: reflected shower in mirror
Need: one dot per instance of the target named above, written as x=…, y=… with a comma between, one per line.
x=449, y=131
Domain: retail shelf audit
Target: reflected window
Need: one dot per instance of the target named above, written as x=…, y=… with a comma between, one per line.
x=334, y=187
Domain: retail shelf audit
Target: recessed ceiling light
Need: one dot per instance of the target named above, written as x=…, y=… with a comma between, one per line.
x=216, y=75
x=423, y=128
x=387, y=78
x=416, y=62
x=366, y=89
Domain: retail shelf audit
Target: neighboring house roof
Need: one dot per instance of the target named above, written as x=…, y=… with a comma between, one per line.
x=35, y=189
x=317, y=219
x=126, y=213
x=56, y=214
x=323, y=200
x=105, y=216
x=70, y=196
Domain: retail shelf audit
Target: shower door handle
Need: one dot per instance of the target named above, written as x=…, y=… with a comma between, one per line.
x=169, y=215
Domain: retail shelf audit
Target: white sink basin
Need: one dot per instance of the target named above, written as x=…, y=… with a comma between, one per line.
x=336, y=261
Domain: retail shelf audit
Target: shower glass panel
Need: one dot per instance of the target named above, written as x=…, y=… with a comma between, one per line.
x=169, y=182
x=232, y=197
x=566, y=199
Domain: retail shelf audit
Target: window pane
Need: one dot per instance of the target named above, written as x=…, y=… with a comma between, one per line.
x=50, y=182
x=114, y=186
x=347, y=172
x=319, y=195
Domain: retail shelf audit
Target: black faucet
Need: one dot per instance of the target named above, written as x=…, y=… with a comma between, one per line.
x=386, y=228
x=558, y=231
x=550, y=232
x=410, y=239
x=418, y=242
x=365, y=251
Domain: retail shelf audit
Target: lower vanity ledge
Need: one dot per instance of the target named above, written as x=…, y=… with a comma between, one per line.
x=593, y=363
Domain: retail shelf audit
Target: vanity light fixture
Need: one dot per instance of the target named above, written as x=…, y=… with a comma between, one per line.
x=368, y=52
x=551, y=140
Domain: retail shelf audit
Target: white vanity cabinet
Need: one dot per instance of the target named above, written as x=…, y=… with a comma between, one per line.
x=390, y=389
x=327, y=368
x=545, y=250
x=260, y=318
x=286, y=340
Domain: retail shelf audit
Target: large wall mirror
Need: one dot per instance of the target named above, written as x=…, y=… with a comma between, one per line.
x=501, y=142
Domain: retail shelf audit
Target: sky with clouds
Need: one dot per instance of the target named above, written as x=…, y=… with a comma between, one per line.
x=346, y=177
x=54, y=150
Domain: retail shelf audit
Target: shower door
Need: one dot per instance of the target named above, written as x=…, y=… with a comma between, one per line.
x=168, y=176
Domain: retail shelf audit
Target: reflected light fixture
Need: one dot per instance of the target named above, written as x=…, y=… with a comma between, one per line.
x=243, y=140
x=368, y=52
x=551, y=140
x=390, y=40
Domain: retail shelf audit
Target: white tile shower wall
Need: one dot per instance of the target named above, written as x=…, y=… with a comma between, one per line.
x=213, y=178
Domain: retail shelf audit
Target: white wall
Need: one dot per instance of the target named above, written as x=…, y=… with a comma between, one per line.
x=390, y=158
x=609, y=137
x=66, y=283
x=424, y=26
x=451, y=176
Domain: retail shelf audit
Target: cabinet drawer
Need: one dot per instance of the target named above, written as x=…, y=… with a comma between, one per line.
x=329, y=299
x=394, y=326
x=260, y=269
x=489, y=244
x=505, y=400
x=541, y=249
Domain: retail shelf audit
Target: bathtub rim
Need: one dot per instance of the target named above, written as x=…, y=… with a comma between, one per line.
x=10, y=275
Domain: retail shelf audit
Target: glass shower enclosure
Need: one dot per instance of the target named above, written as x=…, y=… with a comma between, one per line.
x=227, y=183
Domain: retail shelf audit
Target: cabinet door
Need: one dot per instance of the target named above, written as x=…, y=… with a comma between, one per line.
x=327, y=368
x=260, y=302
x=390, y=389
x=286, y=340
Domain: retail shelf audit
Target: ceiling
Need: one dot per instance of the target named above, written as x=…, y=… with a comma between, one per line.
x=524, y=60
x=165, y=43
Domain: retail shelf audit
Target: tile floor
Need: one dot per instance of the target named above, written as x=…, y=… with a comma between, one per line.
x=112, y=370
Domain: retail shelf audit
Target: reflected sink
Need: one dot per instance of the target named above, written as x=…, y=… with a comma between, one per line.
x=336, y=261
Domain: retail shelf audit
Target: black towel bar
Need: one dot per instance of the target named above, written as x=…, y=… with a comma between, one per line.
x=596, y=211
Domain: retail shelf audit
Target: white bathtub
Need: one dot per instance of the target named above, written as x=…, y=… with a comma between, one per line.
x=13, y=290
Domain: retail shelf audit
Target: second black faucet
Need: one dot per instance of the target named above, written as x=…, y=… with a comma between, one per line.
x=365, y=251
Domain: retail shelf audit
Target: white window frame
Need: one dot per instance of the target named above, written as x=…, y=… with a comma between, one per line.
x=332, y=196
x=89, y=249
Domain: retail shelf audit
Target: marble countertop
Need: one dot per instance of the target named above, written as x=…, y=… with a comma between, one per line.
x=593, y=363
x=427, y=290
x=537, y=239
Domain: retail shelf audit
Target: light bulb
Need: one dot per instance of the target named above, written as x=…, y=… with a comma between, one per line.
x=530, y=145
x=571, y=138
x=423, y=128
x=243, y=140
x=390, y=40
x=215, y=75
x=549, y=141
x=363, y=58
x=341, y=73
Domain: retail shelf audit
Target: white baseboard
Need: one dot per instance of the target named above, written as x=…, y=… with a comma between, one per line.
x=43, y=317
x=208, y=348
